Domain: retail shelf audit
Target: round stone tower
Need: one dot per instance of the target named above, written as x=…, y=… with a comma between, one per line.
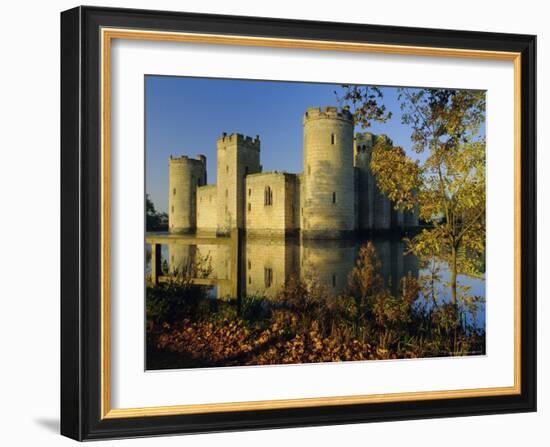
x=329, y=185
x=185, y=175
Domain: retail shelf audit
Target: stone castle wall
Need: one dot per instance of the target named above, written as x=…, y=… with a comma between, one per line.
x=363, y=143
x=271, y=202
x=334, y=196
x=207, y=209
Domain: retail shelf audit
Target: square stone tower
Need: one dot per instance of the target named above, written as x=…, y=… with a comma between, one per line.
x=238, y=156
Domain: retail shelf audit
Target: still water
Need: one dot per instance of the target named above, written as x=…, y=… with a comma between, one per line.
x=265, y=264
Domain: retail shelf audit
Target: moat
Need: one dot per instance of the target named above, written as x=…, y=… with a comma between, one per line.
x=260, y=267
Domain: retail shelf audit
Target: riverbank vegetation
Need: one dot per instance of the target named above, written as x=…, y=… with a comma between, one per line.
x=304, y=323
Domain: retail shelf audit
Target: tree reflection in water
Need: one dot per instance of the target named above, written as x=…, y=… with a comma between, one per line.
x=308, y=301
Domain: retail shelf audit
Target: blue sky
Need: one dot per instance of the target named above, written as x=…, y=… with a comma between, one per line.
x=185, y=116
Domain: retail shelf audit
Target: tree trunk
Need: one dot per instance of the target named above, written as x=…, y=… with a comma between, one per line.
x=453, y=275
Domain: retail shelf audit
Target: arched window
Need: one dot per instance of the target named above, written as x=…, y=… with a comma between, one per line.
x=268, y=196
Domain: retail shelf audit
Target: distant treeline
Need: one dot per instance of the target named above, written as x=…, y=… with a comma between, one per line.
x=155, y=221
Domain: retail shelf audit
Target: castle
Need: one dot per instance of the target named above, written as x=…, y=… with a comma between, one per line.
x=336, y=195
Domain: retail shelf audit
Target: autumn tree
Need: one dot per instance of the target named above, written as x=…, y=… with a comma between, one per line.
x=446, y=183
x=365, y=104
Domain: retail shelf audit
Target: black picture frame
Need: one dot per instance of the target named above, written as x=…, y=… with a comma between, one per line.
x=81, y=223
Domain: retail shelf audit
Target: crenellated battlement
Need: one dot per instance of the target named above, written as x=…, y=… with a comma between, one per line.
x=329, y=112
x=366, y=140
x=271, y=174
x=363, y=142
x=240, y=139
x=200, y=161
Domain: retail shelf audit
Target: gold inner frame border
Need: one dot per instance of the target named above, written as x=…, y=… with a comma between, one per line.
x=107, y=35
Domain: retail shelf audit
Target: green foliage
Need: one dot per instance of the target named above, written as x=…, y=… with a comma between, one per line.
x=177, y=296
x=365, y=104
x=448, y=186
x=441, y=119
x=172, y=300
x=155, y=221
x=396, y=174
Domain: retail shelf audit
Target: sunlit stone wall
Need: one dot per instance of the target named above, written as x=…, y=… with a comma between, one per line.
x=185, y=175
x=207, y=209
x=329, y=202
x=238, y=156
x=271, y=200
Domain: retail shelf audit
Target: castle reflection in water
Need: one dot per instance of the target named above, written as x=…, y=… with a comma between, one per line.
x=265, y=264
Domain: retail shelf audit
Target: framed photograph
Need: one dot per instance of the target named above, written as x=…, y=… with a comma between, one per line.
x=276, y=223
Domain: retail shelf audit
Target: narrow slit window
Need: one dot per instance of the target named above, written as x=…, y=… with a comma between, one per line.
x=268, y=196
x=333, y=197
x=331, y=138
x=268, y=277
